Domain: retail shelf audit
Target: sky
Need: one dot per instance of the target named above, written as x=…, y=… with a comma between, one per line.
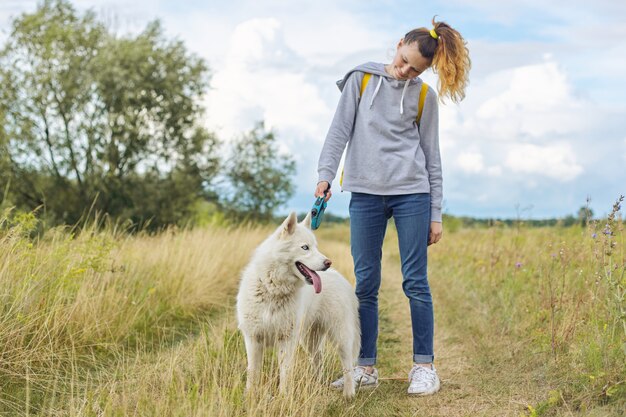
x=540, y=131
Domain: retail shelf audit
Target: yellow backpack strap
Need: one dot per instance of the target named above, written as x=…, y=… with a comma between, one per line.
x=420, y=106
x=366, y=79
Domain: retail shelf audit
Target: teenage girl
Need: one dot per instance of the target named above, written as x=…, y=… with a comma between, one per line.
x=393, y=169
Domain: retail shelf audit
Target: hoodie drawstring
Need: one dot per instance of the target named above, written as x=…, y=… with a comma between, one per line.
x=380, y=81
x=406, y=84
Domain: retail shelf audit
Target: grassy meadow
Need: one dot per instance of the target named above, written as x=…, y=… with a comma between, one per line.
x=528, y=322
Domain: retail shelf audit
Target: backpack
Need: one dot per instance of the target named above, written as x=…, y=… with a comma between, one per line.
x=420, y=105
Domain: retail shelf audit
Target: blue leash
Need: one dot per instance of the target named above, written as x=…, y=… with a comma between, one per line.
x=317, y=212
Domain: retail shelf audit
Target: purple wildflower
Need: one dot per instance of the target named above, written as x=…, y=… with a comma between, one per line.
x=518, y=265
x=593, y=236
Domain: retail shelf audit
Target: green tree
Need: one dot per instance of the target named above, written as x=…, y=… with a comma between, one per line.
x=88, y=116
x=585, y=214
x=258, y=175
x=568, y=221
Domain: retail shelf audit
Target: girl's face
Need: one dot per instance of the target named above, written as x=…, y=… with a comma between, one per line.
x=408, y=62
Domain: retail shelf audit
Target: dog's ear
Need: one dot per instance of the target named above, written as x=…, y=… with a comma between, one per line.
x=307, y=220
x=289, y=225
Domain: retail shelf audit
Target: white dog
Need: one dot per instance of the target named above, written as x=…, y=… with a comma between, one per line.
x=283, y=300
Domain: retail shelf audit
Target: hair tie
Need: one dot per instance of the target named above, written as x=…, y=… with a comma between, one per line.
x=434, y=34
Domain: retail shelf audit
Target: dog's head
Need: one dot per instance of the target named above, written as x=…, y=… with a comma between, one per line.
x=300, y=249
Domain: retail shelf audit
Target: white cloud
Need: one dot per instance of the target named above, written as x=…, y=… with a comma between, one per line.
x=263, y=79
x=494, y=171
x=533, y=87
x=531, y=101
x=471, y=162
x=525, y=119
x=259, y=41
x=556, y=161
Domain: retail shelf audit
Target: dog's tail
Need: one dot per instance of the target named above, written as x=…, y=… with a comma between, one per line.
x=356, y=346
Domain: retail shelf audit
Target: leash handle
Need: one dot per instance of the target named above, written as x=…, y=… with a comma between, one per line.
x=317, y=212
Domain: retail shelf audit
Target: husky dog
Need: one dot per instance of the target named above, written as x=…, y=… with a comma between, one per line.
x=288, y=295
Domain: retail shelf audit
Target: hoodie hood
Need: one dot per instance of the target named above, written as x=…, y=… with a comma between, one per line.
x=369, y=67
x=377, y=68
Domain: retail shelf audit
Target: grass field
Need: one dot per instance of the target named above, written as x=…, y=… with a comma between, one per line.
x=528, y=322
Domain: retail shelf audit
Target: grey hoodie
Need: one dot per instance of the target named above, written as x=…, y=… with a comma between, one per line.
x=388, y=154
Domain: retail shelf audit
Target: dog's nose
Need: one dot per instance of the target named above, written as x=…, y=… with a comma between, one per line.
x=327, y=263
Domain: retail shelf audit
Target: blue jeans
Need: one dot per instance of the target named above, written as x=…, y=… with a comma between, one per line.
x=368, y=222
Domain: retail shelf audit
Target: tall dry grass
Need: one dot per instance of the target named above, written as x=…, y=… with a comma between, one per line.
x=528, y=322
x=544, y=307
x=76, y=306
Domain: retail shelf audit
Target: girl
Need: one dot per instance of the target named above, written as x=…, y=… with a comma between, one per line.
x=393, y=169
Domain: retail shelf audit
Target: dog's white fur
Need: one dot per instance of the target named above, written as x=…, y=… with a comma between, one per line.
x=276, y=307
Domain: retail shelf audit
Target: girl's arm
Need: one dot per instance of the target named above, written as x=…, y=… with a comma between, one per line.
x=429, y=141
x=340, y=129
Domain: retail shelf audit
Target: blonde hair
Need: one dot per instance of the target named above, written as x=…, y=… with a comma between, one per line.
x=449, y=57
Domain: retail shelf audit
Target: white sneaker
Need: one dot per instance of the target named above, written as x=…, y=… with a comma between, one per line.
x=423, y=381
x=361, y=379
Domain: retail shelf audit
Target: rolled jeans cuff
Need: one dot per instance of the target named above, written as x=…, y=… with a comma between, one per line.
x=422, y=358
x=366, y=361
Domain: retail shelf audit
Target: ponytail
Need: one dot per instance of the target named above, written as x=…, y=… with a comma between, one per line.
x=449, y=54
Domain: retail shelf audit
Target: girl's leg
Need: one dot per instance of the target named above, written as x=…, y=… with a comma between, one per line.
x=411, y=214
x=368, y=222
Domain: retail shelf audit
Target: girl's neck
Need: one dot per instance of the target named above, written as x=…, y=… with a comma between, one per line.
x=388, y=70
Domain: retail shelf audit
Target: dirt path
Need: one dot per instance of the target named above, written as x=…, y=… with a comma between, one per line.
x=474, y=379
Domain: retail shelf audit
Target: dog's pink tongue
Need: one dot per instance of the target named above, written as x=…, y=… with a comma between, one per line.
x=317, y=282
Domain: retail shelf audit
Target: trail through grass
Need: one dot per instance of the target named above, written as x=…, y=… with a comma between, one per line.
x=527, y=323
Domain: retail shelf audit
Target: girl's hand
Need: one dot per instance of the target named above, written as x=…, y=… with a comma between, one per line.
x=436, y=231
x=321, y=187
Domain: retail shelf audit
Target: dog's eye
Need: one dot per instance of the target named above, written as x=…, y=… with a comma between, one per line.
x=305, y=247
